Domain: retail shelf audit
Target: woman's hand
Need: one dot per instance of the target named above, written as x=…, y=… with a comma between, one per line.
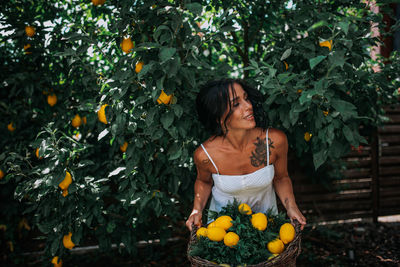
x=194, y=218
x=295, y=213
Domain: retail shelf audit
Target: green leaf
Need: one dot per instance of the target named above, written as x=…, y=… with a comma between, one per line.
x=318, y=25
x=146, y=68
x=55, y=244
x=286, y=77
x=166, y=53
x=286, y=54
x=346, y=109
x=307, y=95
x=337, y=59
x=315, y=61
x=195, y=8
x=174, y=152
x=110, y=227
x=348, y=134
x=319, y=158
x=178, y=110
x=167, y=119
x=157, y=134
x=344, y=26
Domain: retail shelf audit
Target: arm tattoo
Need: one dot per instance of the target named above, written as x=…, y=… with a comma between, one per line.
x=259, y=155
x=206, y=161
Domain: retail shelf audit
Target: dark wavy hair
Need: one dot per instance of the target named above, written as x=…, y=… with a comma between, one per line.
x=213, y=100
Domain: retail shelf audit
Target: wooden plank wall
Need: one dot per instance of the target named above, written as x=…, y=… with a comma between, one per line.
x=389, y=164
x=370, y=186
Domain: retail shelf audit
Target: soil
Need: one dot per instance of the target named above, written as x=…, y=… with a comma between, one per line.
x=347, y=244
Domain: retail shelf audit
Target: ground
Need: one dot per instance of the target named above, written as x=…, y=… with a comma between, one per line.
x=346, y=244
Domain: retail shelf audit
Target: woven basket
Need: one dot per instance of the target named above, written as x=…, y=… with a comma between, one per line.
x=285, y=259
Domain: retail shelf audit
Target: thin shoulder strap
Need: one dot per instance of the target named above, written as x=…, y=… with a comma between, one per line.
x=266, y=136
x=215, y=166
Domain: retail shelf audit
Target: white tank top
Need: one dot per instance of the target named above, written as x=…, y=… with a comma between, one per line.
x=255, y=189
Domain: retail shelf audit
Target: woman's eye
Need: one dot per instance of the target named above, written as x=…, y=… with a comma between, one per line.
x=236, y=104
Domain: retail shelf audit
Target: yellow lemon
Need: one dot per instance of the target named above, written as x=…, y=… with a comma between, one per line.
x=56, y=262
x=65, y=192
x=66, y=182
x=287, y=233
x=52, y=99
x=127, y=45
x=212, y=225
x=11, y=127
x=164, y=98
x=123, y=147
x=259, y=221
x=98, y=2
x=30, y=31
x=231, y=239
x=76, y=121
x=216, y=234
x=286, y=65
x=26, y=48
x=202, y=231
x=276, y=246
x=101, y=114
x=84, y=120
x=224, y=222
x=138, y=66
x=37, y=153
x=299, y=91
x=245, y=209
x=67, y=242
x=307, y=136
x=326, y=44
x=1, y=174
x=325, y=113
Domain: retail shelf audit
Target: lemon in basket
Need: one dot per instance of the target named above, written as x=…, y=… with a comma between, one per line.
x=224, y=222
x=216, y=234
x=212, y=225
x=231, y=239
x=245, y=209
x=259, y=221
x=202, y=231
x=287, y=233
x=276, y=246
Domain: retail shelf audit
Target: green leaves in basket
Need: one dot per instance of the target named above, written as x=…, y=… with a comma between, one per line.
x=252, y=246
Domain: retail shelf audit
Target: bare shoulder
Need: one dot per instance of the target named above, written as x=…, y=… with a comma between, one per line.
x=200, y=158
x=278, y=137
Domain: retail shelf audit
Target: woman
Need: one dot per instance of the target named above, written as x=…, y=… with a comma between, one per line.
x=237, y=161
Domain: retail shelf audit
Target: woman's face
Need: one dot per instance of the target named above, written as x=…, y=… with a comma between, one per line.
x=242, y=110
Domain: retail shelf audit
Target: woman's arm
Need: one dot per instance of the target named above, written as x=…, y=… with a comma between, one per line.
x=202, y=188
x=282, y=182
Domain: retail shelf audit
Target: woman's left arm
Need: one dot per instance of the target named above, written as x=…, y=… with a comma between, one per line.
x=282, y=182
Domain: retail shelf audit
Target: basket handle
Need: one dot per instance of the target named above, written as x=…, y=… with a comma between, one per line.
x=297, y=226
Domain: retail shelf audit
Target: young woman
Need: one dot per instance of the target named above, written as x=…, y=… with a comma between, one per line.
x=242, y=159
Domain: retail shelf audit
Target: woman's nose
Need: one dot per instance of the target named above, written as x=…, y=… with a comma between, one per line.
x=248, y=105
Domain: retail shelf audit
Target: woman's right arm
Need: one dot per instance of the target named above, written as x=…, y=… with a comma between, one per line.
x=202, y=188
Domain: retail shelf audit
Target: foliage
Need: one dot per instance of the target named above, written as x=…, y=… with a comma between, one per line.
x=146, y=192
x=252, y=246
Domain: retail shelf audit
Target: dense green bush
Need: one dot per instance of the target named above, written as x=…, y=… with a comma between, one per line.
x=146, y=192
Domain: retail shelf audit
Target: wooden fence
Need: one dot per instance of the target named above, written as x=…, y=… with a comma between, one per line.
x=370, y=186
